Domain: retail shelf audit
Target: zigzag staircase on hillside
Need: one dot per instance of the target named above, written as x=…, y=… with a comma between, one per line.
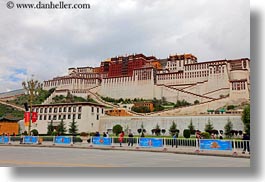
x=12, y=105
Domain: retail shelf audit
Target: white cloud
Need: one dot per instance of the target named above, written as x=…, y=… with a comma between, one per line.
x=47, y=42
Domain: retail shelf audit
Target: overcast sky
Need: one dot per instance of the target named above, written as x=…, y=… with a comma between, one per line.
x=46, y=42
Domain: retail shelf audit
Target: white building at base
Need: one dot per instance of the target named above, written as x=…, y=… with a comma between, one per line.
x=87, y=115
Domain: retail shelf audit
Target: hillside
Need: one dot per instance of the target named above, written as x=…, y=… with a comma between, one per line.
x=10, y=112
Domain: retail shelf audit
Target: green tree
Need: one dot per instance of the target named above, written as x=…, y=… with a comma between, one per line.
x=173, y=128
x=117, y=129
x=246, y=118
x=191, y=127
x=61, y=128
x=228, y=128
x=157, y=130
x=50, y=128
x=73, y=127
x=208, y=126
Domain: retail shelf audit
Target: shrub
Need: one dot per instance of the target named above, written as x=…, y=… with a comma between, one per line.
x=230, y=107
x=34, y=132
x=205, y=135
x=196, y=102
x=117, y=129
x=186, y=133
x=84, y=134
x=157, y=130
x=92, y=133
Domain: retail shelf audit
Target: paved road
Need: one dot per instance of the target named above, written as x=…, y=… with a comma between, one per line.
x=74, y=157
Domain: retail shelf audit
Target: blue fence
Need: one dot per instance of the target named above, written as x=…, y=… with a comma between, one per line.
x=101, y=141
x=215, y=145
x=62, y=140
x=30, y=139
x=4, y=139
x=150, y=142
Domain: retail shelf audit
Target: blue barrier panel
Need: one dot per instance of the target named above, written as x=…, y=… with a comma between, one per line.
x=62, y=140
x=101, y=141
x=150, y=142
x=30, y=139
x=4, y=139
x=215, y=145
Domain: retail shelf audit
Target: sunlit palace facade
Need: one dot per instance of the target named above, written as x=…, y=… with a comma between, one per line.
x=176, y=77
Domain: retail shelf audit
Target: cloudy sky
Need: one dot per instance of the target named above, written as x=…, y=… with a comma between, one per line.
x=46, y=42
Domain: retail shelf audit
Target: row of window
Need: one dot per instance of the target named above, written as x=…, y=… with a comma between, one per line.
x=238, y=86
x=196, y=67
x=59, y=117
x=65, y=109
x=217, y=70
x=196, y=74
x=69, y=81
x=56, y=109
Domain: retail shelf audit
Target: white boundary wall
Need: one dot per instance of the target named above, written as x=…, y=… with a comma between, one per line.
x=164, y=122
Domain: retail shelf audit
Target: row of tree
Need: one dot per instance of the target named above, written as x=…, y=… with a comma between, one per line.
x=228, y=129
x=61, y=128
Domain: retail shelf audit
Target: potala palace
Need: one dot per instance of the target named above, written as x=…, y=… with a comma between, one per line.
x=213, y=84
x=177, y=77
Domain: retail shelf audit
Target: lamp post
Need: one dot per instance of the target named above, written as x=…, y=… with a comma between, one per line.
x=32, y=87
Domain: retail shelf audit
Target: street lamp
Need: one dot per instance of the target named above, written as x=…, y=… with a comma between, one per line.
x=32, y=87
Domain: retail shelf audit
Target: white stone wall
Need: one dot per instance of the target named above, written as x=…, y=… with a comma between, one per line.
x=128, y=89
x=182, y=122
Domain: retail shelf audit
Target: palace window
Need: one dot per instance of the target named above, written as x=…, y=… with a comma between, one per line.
x=50, y=117
x=80, y=109
x=45, y=117
x=79, y=116
x=69, y=116
x=50, y=110
x=54, y=117
x=45, y=110
x=69, y=109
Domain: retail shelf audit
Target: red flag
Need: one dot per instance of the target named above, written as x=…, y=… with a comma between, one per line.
x=26, y=118
x=34, y=117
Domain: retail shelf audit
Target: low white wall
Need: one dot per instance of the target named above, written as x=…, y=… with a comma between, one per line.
x=182, y=122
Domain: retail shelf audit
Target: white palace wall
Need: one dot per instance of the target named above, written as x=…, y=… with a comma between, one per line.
x=126, y=87
x=182, y=122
